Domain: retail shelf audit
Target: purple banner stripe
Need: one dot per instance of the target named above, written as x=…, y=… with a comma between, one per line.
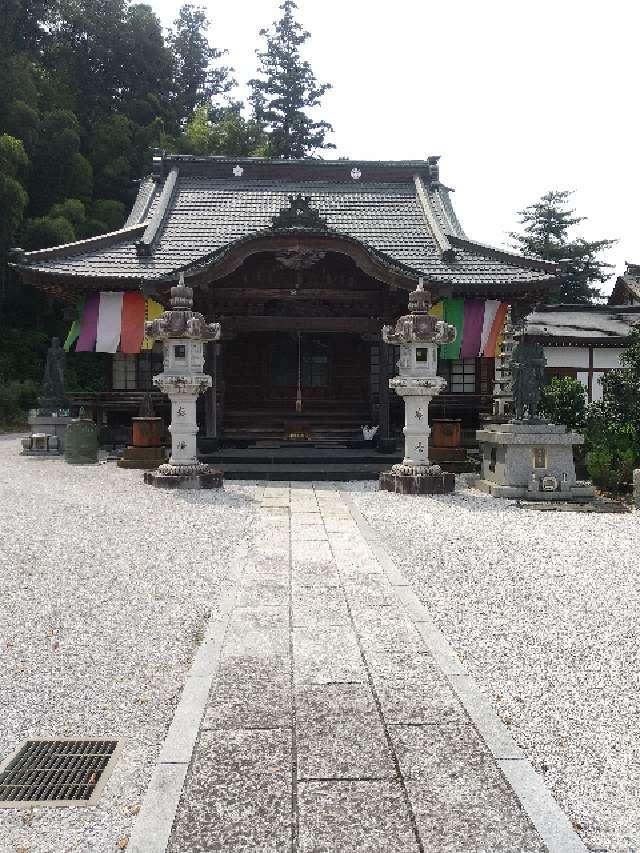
x=89, y=327
x=472, y=334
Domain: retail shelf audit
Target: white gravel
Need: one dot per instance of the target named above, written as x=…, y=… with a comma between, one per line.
x=105, y=586
x=543, y=608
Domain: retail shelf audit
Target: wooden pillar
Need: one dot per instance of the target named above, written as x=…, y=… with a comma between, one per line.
x=383, y=390
x=210, y=419
x=220, y=388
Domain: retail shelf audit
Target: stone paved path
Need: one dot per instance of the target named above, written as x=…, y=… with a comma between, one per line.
x=329, y=726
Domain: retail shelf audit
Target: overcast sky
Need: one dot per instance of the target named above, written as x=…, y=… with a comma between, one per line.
x=517, y=96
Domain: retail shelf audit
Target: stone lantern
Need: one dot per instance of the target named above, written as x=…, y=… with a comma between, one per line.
x=419, y=335
x=183, y=333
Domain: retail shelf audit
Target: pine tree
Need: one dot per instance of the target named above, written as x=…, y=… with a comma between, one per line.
x=286, y=90
x=545, y=235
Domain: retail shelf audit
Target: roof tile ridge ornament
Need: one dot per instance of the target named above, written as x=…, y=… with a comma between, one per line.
x=144, y=246
x=447, y=252
x=299, y=214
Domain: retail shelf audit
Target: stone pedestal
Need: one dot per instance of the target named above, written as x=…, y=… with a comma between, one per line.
x=202, y=477
x=418, y=484
x=146, y=450
x=530, y=460
x=49, y=424
x=40, y=444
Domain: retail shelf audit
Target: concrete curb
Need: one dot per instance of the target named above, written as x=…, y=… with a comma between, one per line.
x=533, y=795
x=153, y=826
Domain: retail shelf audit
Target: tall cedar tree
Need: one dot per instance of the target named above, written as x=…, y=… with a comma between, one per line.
x=197, y=80
x=545, y=235
x=87, y=89
x=286, y=90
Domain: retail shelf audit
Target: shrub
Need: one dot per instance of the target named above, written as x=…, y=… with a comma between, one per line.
x=613, y=449
x=16, y=398
x=563, y=402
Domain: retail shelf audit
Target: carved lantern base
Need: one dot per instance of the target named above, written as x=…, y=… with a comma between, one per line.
x=199, y=477
x=418, y=484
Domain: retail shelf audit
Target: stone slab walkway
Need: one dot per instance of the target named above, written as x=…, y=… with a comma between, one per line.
x=332, y=714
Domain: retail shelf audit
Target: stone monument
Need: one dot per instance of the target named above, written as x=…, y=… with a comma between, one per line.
x=81, y=441
x=419, y=335
x=183, y=333
x=528, y=457
x=49, y=420
x=146, y=449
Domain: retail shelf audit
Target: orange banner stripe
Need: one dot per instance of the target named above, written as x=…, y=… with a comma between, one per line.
x=496, y=328
x=132, y=322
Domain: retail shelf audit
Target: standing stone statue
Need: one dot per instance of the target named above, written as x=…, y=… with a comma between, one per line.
x=52, y=395
x=527, y=369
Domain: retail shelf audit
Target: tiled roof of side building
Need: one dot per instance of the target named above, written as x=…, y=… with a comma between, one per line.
x=208, y=204
x=601, y=324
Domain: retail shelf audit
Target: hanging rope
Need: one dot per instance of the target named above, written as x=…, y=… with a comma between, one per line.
x=299, y=394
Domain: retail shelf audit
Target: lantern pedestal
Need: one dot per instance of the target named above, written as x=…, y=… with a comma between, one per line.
x=183, y=333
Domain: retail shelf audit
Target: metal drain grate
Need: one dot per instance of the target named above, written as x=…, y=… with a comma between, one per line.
x=57, y=772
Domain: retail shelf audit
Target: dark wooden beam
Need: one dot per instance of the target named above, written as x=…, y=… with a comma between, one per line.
x=355, y=325
x=261, y=293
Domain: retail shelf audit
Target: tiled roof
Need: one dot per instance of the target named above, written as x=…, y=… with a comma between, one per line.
x=556, y=324
x=207, y=206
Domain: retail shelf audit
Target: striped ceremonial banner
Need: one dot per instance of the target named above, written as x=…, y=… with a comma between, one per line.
x=478, y=323
x=490, y=310
x=109, y=321
x=153, y=310
x=472, y=327
x=89, y=325
x=454, y=314
x=491, y=346
x=133, y=314
x=74, y=331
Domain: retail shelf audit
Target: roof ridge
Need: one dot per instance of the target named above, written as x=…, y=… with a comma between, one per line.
x=503, y=255
x=78, y=247
x=447, y=252
x=144, y=246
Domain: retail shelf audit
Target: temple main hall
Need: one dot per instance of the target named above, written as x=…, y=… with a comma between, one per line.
x=302, y=262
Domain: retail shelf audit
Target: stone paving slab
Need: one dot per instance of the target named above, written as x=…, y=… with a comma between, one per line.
x=460, y=798
x=354, y=816
x=331, y=725
x=339, y=734
x=238, y=795
x=326, y=655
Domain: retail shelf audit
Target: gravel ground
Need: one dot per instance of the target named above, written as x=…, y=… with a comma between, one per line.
x=543, y=609
x=105, y=586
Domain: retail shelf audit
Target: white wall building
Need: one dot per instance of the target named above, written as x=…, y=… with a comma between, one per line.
x=582, y=341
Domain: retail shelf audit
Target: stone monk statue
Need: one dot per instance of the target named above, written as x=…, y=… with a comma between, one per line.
x=52, y=395
x=527, y=369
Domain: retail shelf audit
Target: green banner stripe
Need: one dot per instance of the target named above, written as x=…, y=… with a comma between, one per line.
x=454, y=314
